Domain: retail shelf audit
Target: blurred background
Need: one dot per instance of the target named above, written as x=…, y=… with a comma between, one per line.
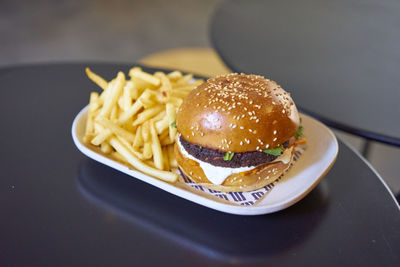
x=126, y=31
x=120, y=30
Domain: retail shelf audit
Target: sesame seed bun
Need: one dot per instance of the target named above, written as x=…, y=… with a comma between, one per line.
x=238, y=113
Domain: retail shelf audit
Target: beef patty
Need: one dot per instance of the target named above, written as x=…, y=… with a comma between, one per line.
x=216, y=158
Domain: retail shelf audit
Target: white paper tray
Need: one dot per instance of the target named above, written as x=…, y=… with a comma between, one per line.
x=304, y=175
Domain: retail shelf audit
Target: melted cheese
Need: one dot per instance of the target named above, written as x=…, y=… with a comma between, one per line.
x=217, y=174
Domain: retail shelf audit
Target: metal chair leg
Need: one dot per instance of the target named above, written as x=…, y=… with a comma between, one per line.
x=366, y=148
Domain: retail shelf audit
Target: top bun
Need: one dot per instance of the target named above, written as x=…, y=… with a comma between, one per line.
x=238, y=113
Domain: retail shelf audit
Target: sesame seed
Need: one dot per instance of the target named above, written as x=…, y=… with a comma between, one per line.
x=275, y=139
x=274, y=132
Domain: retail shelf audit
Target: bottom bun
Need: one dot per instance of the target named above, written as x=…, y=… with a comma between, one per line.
x=245, y=181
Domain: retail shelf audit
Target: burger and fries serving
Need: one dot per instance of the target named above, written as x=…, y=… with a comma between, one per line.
x=235, y=132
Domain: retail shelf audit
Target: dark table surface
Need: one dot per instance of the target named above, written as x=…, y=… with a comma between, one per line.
x=339, y=59
x=59, y=208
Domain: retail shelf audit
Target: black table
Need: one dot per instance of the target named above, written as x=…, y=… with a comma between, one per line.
x=60, y=208
x=339, y=59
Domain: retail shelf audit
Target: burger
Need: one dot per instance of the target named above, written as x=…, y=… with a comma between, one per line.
x=236, y=132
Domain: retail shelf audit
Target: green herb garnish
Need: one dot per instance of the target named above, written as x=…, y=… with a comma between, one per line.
x=299, y=132
x=201, y=147
x=173, y=124
x=228, y=155
x=274, y=151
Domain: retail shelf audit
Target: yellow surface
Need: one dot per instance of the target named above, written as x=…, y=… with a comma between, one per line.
x=199, y=60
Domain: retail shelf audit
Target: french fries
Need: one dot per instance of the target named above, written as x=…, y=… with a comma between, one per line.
x=133, y=119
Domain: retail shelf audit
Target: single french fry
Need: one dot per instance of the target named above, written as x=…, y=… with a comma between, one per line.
x=171, y=114
x=171, y=156
x=106, y=92
x=114, y=113
x=160, y=116
x=113, y=96
x=97, y=79
x=101, y=137
x=144, y=76
x=174, y=75
x=94, y=102
x=118, y=157
x=175, y=100
x=130, y=112
x=166, y=158
x=138, y=141
x=146, y=131
x=147, y=150
x=98, y=128
x=147, y=115
x=126, y=96
x=156, y=148
x=161, y=125
x=105, y=148
x=135, y=90
x=93, y=105
x=141, y=166
x=185, y=79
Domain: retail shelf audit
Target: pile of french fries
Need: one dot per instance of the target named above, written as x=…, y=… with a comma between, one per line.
x=133, y=120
